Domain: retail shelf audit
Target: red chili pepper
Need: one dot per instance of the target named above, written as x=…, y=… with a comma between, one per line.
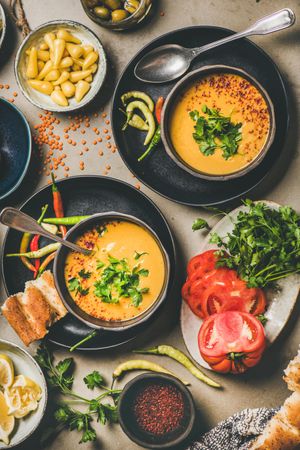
x=158, y=108
x=46, y=262
x=58, y=205
x=34, y=245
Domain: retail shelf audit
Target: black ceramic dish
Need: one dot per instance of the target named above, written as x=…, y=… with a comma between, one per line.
x=159, y=171
x=128, y=421
x=177, y=92
x=61, y=285
x=82, y=196
x=15, y=147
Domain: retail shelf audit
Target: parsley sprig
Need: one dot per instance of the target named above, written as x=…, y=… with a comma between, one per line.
x=216, y=131
x=117, y=280
x=60, y=378
x=264, y=245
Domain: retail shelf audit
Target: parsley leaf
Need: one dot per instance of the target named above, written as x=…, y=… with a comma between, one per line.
x=73, y=284
x=93, y=380
x=84, y=274
x=138, y=255
x=200, y=224
x=100, y=264
x=215, y=131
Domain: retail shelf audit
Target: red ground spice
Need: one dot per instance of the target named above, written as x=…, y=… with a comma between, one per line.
x=159, y=408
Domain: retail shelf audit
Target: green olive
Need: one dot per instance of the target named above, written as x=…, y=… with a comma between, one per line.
x=112, y=4
x=118, y=15
x=102, y=12
x=91, y=3
x=131, y=5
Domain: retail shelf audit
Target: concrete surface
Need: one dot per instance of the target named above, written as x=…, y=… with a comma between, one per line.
x=263, y=386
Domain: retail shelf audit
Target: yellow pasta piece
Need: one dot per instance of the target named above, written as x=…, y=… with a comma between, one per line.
x=49, y=39
x=58, y=51
x=90, y=60
x=64, y=76
x=41, y=65
x=53, y=75
x=68, y=88
x=82, y=87
x=46, y=69
x=93, y=68
x=87, y=49
x=45, y=87
x=68, y=37
x=59, y=98
x=66, y=62
x=89, y=79
x=32, y=67
x=79, y=75
x=44, y=46
x=43, y=55
x=75, y=50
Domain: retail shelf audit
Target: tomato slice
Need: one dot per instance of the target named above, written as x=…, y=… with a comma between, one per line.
x=205, y=262
x=231, y=341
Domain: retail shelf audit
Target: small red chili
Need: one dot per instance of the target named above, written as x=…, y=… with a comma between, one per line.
x=58, y=205
x=158, y=109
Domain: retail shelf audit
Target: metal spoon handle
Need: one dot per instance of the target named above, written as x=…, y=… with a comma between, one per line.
x=20, y=221
x=277, y=21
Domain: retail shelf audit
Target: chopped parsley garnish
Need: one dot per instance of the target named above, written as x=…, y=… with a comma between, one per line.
x=216, y=131
x=84, y=274
x=138, y=255
x=75, y=285
x=117, y=280
x=200, y=224
x=100, y=264
x=101, y=229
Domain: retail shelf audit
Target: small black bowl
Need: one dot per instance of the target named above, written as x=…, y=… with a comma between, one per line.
x=61, y=285
x=129, y=423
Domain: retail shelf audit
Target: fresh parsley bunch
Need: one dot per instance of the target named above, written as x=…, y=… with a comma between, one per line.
x=60, y=378
x=264, y=245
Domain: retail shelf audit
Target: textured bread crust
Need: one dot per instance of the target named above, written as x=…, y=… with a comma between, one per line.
x=283, y=430
x=31, y=313
x=14, y=314
x=292, y=374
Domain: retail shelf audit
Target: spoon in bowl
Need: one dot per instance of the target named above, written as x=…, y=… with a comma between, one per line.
x=168, y=62
x=20, y=221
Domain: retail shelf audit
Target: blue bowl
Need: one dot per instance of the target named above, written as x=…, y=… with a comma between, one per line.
x=15, y=147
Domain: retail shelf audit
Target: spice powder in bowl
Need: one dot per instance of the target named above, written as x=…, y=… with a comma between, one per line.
x=157, y=411
x=159, y=408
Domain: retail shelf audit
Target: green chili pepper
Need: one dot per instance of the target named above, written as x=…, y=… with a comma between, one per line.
x=154, y=142
x=84, y=340
x=176, y=354
x=38, y=253
x=139, y=95
x=68, y=221
x=148, y=116
x=135, y=121
x=142, y=364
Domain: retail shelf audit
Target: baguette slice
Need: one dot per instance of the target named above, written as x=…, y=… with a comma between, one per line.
x=277, y=435
x=291, y=410
x=14, y=314
x=36, y=309
x=292, y=374
x=45, y=283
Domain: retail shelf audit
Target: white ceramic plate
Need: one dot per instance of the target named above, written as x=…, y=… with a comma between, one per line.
x=280, y=304
x=24, y=364
x=87, y=37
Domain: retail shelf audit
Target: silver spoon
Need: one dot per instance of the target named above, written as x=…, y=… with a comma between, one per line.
x=20, y=221
x=168, y=62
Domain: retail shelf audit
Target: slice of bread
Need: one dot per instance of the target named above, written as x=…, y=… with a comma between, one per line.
x=292, y=374
x=14, y=314
x=32, y=313
x=283, y=430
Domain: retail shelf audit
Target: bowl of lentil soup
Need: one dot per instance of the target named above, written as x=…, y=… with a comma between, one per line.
x=124, y=280
x=218, y=123
x=157, y=411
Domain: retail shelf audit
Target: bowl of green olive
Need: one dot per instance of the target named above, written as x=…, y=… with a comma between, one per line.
x=117, y=15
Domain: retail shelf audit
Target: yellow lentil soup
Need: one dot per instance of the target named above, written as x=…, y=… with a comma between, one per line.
x=124, y=275
x=232, y=97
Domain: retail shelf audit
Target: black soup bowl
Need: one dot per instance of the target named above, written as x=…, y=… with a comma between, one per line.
x=61, y=285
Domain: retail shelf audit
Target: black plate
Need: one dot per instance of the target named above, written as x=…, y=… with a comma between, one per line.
x=159, y=172
x=82, y=196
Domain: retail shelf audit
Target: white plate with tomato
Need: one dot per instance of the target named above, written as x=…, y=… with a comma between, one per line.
x=226, y=324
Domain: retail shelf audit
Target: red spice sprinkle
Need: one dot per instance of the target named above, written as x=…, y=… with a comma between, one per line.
x=159, y=408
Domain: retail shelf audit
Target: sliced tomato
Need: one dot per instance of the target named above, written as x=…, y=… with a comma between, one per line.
x=205, y=262
x=231, y=341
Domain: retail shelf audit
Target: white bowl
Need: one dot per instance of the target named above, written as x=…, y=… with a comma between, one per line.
x=24, y=364
x=87, y=37
x=3, y=25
